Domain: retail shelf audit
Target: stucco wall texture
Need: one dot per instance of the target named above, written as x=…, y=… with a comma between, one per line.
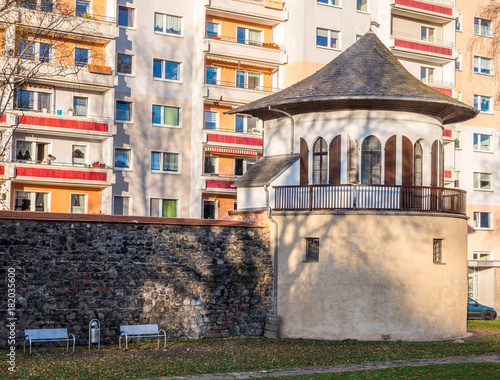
x=375, y=276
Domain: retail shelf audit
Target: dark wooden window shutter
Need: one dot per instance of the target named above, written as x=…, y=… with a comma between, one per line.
x=390, y=161
x=304, y=163
x=352, y=160
x=407, y=174
x=335, y=161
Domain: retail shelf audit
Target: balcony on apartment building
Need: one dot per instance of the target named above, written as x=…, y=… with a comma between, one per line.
x=435, y=50
x=436, y=11
x=244, y=91
x=221, y=184
x=447, y=88
x=263, y=9
x=250, y=141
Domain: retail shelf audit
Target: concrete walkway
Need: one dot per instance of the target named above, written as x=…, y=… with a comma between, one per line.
x=340, y=368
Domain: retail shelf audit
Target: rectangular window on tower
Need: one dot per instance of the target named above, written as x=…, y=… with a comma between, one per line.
x=312, y=250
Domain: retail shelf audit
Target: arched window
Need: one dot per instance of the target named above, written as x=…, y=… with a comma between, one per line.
x=370, y=161
x=320, y=159
x=417, y=164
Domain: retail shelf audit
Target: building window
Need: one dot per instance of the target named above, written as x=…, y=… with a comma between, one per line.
x=164, y=207
x=125, y=17
x=213, y=29
x=44, y=52
x=166, y=70
x=212, y=75
x=122, y=158
x=33, y=50
x=320, y=162
x=482, y=143
x=483, y=103
x=209, y=209
x=327, y=38
x=123, y=111
x=362, y=5
x=330, y=2
x=312, y=250
x=482, y=220
x=166, y=116
x=28, y=4
x=82, y=57
x=427, y=34
x=458, y=23
x=211, y=120
x=211, y=165
x=235, y=205
x=483, y=65
x=124, y=64
x=31, y=151
x=164, y=162
x=238, y=166
x=482, y=255
x=32, y=100
x=437, y=250
x=458, y=62
x=417, y=163
x=252, y=81
x=78, y=203
x=249, y=36
x=427, y=74
x=79, y=155
x=483, y=27
x=80, y=106
x=482, y=181
x=370, y=161
x=82, y=8
x=31, y=201
x=168, y=24
x=121, y=205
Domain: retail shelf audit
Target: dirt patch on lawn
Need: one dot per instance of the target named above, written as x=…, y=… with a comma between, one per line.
x=482, y=333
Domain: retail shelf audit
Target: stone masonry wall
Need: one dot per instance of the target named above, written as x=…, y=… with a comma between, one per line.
x=192, y=280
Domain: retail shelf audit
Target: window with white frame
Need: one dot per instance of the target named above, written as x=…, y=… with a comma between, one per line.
x=330, y=2
x=483, y=103
x=33, y=101
x=124, y=63
x=427, y=34
x=483, y=27
x=34, y=50
x=482, y=143
x=483, y=65
x=82, y=57
x=249, y=80
x=164, y=207
x=327, y=38
x=168, y=24
x=31, y=151
x=80, y=106
x=123, y=111
x=458, y=62
x=427, y=74
x=211, y=120
x=168, y=70
x=248, y=36
x=362, y=5
x=78, y=203
x=82, y=8
x=458, y=23
x=213, y=29
x=121, y=205
x=482, y=220
x=211, y=165
x=482, y=255
x=482, y=181
x=243, y=124
x=212, y=75
x=164, y=162
x=241, y=165
x=31, y=201
x=166, y=116
x=123, y=158
x=125, y=17
x=41, y=5
x=79, y=155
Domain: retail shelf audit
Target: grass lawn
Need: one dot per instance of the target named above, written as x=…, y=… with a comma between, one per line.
x=184, y=357
x=483, y=371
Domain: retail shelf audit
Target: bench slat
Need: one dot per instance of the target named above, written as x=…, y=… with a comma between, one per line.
x=47, y=334
x=139, y=329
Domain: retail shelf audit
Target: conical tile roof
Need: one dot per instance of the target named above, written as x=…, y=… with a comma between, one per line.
x=365, y=76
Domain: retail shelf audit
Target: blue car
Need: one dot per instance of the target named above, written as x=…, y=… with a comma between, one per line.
x=477, y=311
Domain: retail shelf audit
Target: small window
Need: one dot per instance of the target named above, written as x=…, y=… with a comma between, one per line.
x=327, y=38
x=31, y=201
x=123, y=111
x=249, y=36
x=165, y=162
x=482, y=181
x=80, y=106
x=362, y=5
x=27, y=49
x=166, y=116
x=168, y=24
x=213, y=29
x=482, y=220
x=168, y=70
x=437, y=251
x=28, y=4
x=458, y=62
x=211, y=120
x=482, y=143
x=44, y=52
x=125, y=17
x=252, y=81
x=78, y=203
x=81, y=57
x=211, y=165
x=122, y=158
x=235, y=205
x=483, y=103
x=212, y=75
x=483, y=65
x=427, y=74
x=330, y=2
x=79, y=155
x=25, y=100
x=371, y=167
x=320, y=162
x=482, y=255
x=483, y=27
x=82, y=8
x=312, y=249
x=209, y=209
x=121, y=205
x=238, y=166
x=124, y=64
x=163, y=207
x=427, y=34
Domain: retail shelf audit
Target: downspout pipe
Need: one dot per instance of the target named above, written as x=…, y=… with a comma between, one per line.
x=275, y=258
x=292, y=126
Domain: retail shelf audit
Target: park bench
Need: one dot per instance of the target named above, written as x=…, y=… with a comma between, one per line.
x=142, y=331
x=48, y=335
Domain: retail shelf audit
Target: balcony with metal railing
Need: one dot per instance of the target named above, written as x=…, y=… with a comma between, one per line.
x=431, y=10
x=238, y=92
x=378, y=198
x=437, y=50
x=272, y=10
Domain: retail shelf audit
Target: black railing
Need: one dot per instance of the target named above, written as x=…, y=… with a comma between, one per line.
x=370, y=197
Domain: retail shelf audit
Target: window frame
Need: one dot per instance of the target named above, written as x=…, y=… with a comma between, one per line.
x=476, y=255
x=160, y=209
x=330, y=3
x=437, y=251
x=161, y=161
x=86, y=105
x=86, y=157
x=429, y=35
x=165, y=16
x=211, y=35
x=215, y=165
x=130, y=120
x=122, y=168
x=123, y=197
x=162, y=116
x=311, y=257
x=259, y=87
x=36, y=100
x=247, y=40
x=478, y=175
x=477, y=220
x=89, y=57
x=479, y=29
x=162, y=77
x=133, y=20
x=360, y=3
x=320, y=175
x=33, y=199
x=218, y=71
x=217, y=120
x=131, y=65
x=427, y=74
x=476, y=146
x=478, y=101
x=477, y=68
x=85, y=201
x=329, y=37
x=371, y=154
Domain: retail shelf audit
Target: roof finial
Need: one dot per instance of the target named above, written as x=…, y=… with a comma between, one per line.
x=374, y=23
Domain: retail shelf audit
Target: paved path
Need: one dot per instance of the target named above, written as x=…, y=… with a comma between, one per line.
x=340, y=368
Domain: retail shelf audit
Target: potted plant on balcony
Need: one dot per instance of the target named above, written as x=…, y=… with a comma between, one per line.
x=216, y=37
x=44, y=109
x=71, y=111
x=98, y=164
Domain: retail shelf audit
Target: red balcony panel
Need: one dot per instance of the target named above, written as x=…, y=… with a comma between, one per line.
x=3, y=118
x=2, y=170
x=424, y=47
x=445, y=91
x=447, y=174
x=219, y=184
x=61, y=174
x=426, y=6
x=235, y=140
x=64, y=123
x=447, y=132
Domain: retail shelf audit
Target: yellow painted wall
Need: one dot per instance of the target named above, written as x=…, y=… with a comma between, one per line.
x=295, y=72
x=60, y=196
x=228, y=27
x=226, y=122
x=226, y=165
